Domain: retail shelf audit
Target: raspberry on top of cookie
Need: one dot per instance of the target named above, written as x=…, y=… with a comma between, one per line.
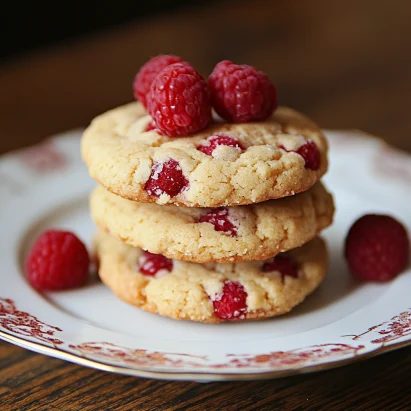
x=168, y=149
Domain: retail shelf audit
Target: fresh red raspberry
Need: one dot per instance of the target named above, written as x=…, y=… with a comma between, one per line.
x=151, y=264
x=219, y=140
x=241, y=93
x=147, y=73
x=309, y=152
x=231, y=302
x=377, y=248
x=285, y=265
x=58, y=260
x=166, y=178
x=179, y=101
x=150, y=126
x=220, y=219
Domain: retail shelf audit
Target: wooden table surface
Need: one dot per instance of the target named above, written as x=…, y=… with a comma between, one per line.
x=346, y=64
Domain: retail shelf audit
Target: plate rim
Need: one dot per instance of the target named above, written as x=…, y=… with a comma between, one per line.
x=200, y=376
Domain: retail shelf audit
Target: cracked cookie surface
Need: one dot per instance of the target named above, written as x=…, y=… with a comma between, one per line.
x=230, y=234
x=260, y=163
x=197, y=292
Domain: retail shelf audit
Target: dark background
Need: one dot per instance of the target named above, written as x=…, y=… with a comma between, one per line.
x=28, y=25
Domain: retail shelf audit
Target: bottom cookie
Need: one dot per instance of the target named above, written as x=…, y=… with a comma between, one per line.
x=211, y=292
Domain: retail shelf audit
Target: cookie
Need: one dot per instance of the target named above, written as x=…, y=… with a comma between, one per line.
x=211, y=292
x=226, y=234
x=224, y=165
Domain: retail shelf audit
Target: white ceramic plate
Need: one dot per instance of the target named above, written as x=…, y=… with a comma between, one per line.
x=47, y=186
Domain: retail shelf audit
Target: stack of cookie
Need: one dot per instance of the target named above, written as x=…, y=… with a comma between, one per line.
x=208, y=218
x=218, y=226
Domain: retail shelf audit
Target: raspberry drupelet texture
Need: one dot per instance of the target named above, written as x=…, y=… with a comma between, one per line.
x=377, y=248
x=231, y=303
x=166, y=178
x=58, y=260
x=220, y=219
x=151, y=264
x=219, y=140
x=241, y=93
x=179, y=101
x=283, y=264
x=148, y=72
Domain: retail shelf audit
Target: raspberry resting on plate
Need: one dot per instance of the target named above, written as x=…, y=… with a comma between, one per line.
x=58, y=260
x=377, y=248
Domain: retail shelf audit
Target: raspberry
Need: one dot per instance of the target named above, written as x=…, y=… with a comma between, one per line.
x=219, y=218
x=179, y=101
x=219, y=140
x=147, y=73
x=285, y=265
x=166, y=178
x=377, y=248
x=231, y=302
x=150, y=126
x=151, y=264
x=241, y=93
x=309, y=152
x=58, y=260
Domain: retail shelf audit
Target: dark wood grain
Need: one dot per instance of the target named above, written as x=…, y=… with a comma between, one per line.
x=30, y=381
x=347, y=64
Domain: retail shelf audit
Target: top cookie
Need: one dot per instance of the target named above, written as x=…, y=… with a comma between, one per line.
x=224, y=165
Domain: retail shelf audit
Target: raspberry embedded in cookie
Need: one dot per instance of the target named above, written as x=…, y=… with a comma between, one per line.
x=309, y=152
x=151, y=264
x=166, y=178
x=286, y=266
x=231, y=302
x=220, y=219
x=219, y=140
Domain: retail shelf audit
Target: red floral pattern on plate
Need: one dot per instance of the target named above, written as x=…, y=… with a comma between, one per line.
x=297, y=358
x=106, y=351
x=275, y=360
x=388, y=331
x=25, y=324
x=43, y=157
